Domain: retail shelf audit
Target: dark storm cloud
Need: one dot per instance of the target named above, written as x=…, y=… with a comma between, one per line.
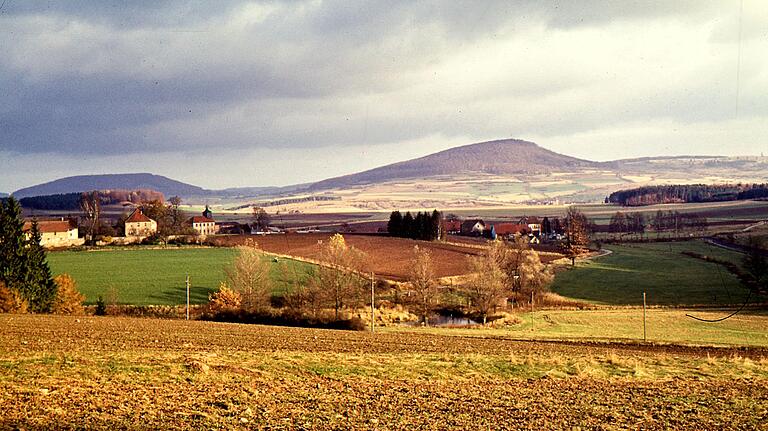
x=101, y=78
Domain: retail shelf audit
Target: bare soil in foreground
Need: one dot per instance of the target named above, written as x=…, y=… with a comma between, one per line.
x=122, y=373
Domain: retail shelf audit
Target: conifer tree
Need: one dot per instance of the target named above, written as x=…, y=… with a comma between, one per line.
x=23, y=265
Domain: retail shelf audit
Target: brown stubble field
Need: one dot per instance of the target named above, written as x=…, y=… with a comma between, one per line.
x=388, y=257
x=120, y=373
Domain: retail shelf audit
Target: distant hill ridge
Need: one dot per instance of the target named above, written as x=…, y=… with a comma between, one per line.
x=506, y=156
x=84, y=183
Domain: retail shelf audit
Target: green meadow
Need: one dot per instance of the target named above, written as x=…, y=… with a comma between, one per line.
x=661, y=270
x=144, y=276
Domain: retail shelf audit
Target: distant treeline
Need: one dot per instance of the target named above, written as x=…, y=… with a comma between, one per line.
x=423, y=226
x=71, y=201
x=652, y=195
x=288, y=201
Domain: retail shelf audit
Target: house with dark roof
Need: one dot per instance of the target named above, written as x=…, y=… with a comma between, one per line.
x=138, y=224
x=474, y=227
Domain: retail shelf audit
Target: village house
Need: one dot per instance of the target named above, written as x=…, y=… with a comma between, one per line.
x=509, y=230
x=452, y=227
x=55, y=233
x=203, y=225
x=137, y=224
x=474, y=227
x=533, y=223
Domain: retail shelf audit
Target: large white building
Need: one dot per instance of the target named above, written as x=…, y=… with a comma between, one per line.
x=137, y=224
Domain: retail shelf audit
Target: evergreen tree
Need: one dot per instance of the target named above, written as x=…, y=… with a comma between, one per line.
x=408, y=223
x=39, y=288
x=436, y=226
x=546, y=226
x=395, y=224
x=23, y=265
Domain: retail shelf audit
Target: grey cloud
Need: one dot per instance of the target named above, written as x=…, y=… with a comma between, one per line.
x=163, y=76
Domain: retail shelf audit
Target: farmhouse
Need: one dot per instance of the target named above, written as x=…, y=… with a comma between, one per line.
x=202, y=225
x=452, y=226
x=55, y=233
x=137, y=224
x=533, y=223
x=473, y=227
x=507, y=230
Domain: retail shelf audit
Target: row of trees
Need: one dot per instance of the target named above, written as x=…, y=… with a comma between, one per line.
x=26, y=283
x=505, y=270
x=663, y=194
x=339, y=283
x=424, y=226
x=663, y=221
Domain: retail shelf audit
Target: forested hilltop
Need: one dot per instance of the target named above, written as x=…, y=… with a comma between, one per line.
x=667, y=194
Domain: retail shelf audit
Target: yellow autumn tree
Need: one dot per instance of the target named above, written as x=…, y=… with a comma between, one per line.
x=11, y=301
x=68, y=300
x=224, y=300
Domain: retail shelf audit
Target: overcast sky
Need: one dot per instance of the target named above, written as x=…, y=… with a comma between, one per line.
x=232, y=93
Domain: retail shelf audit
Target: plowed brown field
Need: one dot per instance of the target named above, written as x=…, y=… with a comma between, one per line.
x=121, y=373
x=388, y=257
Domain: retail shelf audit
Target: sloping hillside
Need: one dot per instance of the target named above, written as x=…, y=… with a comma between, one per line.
x=502, y=157
x=82, y=183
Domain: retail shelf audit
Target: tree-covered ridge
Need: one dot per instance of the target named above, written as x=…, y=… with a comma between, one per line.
x=71, y=201
x=686, y=193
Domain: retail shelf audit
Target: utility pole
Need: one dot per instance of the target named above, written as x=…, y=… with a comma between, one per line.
x=644, y=332
x=187, y=296
x=373, y=284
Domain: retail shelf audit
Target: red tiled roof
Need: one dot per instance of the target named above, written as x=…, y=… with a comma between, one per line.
x=509, y=228
x=201, y=219
x=47, y=226
x=137, y=216
x=452, y=225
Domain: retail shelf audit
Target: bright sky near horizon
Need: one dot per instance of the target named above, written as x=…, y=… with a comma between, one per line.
x=237, y=93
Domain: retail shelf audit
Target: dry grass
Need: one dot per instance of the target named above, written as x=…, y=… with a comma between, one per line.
x=119, y=373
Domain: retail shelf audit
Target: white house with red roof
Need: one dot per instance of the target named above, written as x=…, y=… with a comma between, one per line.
x=138, y=224
x=55, y=233
x=203, y=225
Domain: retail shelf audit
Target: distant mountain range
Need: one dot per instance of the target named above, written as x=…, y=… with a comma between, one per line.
x=494, y=172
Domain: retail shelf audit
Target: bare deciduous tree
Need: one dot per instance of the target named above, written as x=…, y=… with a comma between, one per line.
x=423, y=283
x=487, y=285
x=90, y=204
x=339, y=277
x=249, y=276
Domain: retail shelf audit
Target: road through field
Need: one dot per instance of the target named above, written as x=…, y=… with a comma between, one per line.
x=121, y=373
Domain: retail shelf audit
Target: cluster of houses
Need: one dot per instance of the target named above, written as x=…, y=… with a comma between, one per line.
x=64, y=233
x=528, y=227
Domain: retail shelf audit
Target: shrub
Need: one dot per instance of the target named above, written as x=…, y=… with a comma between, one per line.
x=11, y=301
x=101, y=307
x=224, y=300
x=68, y=300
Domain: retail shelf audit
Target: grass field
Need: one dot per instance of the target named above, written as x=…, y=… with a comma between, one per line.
x=666, y=275
x=122, y=373
x=157, y=276
x=664, y=325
